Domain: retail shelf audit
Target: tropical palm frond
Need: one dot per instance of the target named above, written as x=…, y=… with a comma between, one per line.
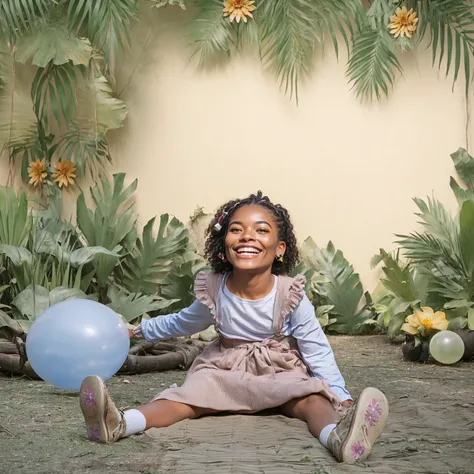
x=437, y=221
x=372, y=63
x=18, y=126
x=18, y=17
x=210, y=33
x=449, y=24
x=53, y=90
x=339, y=17
x=288, y=35
x=88, y=151
x=106, y=22
x=97, y=110
x=427, y=249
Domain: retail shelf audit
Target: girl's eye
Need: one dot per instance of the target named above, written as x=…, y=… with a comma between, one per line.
x=263, y=230
x=234, y=229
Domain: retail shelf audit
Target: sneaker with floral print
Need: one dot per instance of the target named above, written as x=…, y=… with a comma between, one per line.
x=104, y=422
x=354, y=436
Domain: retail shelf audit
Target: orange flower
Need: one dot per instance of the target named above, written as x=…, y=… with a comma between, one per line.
x=64, y=173
x=403, y=22
x=37, y=172
x=239, y=9
x=425, y=319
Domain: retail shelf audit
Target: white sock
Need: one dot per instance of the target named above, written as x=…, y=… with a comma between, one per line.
x=135, y=422
x=325, y=432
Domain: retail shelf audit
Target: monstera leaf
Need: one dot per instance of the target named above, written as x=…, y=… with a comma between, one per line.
x=339, y=286
x=132, y=306
x=148, y=264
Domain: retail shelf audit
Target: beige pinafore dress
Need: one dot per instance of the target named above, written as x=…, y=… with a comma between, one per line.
x=247, y=377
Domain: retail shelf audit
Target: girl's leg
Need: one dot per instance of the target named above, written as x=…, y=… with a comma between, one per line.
x=162, y=413
x=107, y=424
x=352, y=438
x=316, y=410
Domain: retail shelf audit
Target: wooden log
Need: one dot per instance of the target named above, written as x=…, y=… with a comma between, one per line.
x=8, y=348
x=141, y=364
x=12, y=364
x=182, y=355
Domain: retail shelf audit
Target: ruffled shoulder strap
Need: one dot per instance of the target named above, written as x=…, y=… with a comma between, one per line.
x=206, y=288
x=290, y=292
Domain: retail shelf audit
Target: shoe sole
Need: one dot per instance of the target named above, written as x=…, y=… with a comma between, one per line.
x=93, y=399
x=368, y=421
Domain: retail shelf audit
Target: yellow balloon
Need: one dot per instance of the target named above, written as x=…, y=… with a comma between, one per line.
x=446, y=347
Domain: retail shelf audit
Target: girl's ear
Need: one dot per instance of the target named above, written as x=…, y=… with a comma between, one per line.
x=281, y=248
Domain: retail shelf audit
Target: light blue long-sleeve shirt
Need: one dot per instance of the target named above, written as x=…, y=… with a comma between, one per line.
x=252, y=320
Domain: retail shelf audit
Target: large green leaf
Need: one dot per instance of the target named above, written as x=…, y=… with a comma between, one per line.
x=340, y=286
x=10, y=327
x=146, y=267
x=178, y=285
x=466, y=235
x=132, y=306
x=17, y=255
x=15, y=219
x=464, y=164
x=111, y=225
x=52, y=42
x=85, y=255
x=35, y=299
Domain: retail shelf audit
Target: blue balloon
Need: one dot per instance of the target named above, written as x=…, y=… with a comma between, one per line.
x=74, y=339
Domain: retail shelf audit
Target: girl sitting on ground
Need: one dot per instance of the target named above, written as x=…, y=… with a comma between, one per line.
x=271, y=351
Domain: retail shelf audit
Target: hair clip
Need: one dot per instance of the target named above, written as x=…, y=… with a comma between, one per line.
x=217, y=227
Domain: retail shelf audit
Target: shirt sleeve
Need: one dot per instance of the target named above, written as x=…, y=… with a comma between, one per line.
x=315, y=349
x=191, y=320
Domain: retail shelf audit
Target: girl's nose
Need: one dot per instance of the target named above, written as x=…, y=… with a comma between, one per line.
x=247, y=234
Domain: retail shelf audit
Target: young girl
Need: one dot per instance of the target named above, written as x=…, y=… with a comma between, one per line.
x=271, y=351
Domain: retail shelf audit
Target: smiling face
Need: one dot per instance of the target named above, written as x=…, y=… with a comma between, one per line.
x=252, y=240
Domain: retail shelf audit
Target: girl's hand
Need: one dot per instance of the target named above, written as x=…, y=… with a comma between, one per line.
x=130, y=333
x=347, y=403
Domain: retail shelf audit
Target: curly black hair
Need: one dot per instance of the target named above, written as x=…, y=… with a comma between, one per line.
x=217, y=230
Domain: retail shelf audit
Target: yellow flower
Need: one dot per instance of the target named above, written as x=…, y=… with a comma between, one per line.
x=64, y=173
x=425, y=319
x=403, y=22
x=238, y=9
x=37, y=172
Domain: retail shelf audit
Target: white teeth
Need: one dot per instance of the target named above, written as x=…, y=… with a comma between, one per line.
x=249, y=250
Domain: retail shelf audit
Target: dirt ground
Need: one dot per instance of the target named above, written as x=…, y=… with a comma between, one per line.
x=431, y=427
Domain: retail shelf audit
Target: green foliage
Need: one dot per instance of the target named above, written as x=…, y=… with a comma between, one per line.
x=45, y=260
x=464, y=164
x=111, y=225
x=335, y=288
x=68, y=47
x=372, y=63
x=440, y=268
x=287, y=33
x=147, y=265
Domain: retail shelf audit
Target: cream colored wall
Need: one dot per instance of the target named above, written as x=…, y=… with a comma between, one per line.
x=346, y=171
